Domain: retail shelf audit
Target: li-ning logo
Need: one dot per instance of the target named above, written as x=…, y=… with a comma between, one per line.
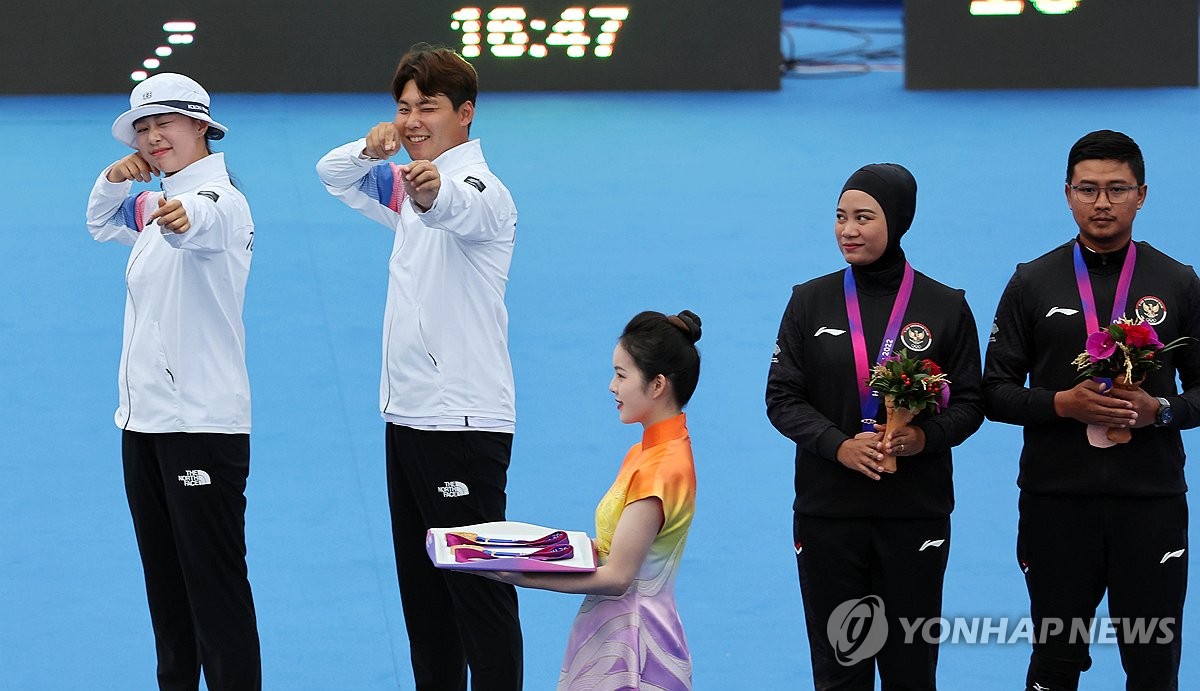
x=1061, y=310
x=195, y=478
x=453, y=488
x=827, y=330
x=1039, y=687
x=1172, y=555
x=857, y=629
x=932, y=543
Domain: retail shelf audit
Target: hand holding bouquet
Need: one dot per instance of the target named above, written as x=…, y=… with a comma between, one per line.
x=909, y=386
x=1121, y=355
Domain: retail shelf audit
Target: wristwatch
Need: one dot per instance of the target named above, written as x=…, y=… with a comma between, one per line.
x=1164, y=415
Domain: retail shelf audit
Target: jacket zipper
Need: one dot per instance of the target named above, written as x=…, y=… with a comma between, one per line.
x=132, y=331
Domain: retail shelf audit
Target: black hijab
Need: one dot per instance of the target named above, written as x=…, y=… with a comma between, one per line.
x=895, y=189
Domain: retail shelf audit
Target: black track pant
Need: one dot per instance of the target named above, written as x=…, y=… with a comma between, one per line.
x=187, y=496
x=1072, y=549
x=454, y=620
x=900, y=561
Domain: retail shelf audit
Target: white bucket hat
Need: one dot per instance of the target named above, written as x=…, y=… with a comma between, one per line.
x=166, y=93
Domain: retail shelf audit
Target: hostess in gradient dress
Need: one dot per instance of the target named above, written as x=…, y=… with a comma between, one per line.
x=636, y=641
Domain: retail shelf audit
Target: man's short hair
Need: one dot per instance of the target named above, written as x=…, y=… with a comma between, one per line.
x=1107, y=145
x=438, y=71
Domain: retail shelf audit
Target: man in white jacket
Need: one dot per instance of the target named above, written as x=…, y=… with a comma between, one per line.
x=446, y=390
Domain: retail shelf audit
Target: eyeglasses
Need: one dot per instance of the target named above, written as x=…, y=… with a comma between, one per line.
x=1088, y=194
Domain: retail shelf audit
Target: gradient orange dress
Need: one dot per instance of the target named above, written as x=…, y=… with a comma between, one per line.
x=635, y=640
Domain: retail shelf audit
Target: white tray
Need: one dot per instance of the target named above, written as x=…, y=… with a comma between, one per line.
x=442, y=555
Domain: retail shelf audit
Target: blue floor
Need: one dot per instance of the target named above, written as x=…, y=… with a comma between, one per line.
x=715, y=202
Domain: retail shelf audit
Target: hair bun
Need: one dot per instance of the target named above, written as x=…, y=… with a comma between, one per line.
x=692, y=321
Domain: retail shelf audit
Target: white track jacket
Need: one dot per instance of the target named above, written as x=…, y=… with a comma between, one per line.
x=183, y=363
x=445, y=333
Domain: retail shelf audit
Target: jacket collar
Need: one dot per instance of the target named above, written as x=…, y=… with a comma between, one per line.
x=1104, y=262
x=209, y=169
x=665, y=431
x=465, y=154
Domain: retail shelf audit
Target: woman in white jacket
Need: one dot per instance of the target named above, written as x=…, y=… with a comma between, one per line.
x=184, y=407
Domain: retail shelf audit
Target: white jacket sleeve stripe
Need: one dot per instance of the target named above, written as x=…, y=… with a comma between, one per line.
x=361, y=184
x=111, y=212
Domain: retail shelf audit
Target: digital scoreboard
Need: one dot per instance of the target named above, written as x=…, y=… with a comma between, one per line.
x=1007, y=44
x=83, y=46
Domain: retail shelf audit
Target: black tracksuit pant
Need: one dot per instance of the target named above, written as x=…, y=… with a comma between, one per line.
x=454, y=620
x=187, y=497
x=900, y=561
x=1072, y=549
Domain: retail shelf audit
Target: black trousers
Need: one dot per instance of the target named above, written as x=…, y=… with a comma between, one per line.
x=454, y=620
x=1072, y=549
x=899, y=561
x=187, y=496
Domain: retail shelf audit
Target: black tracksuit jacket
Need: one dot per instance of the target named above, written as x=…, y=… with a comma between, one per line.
x=1039, y=329
x=812, y=397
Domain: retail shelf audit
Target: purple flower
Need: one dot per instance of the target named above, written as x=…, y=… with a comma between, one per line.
x=1157, y=344
x=1100, y=346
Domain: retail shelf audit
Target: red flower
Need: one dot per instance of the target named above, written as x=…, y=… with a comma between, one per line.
x=908, y=382
x=1138, y=335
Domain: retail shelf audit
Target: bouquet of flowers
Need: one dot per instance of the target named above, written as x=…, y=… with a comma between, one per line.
x=909, y=386
x=1121, y=355
x=1125, y=351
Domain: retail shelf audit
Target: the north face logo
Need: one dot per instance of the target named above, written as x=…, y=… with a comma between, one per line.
x=195, y=478
x=453, y=488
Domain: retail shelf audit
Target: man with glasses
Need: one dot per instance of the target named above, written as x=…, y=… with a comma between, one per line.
x=1097, y=518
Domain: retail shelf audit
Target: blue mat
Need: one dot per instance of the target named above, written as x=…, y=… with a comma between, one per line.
x=717, y=203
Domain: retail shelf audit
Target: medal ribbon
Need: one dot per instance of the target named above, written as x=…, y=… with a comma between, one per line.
x=868, y=399
x=1090, y=318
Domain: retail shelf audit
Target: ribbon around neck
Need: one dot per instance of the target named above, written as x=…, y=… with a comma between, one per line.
x=1091, y=320
x=868, y=399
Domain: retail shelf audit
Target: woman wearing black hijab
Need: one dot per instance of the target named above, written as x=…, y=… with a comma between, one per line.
x=871, y=545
